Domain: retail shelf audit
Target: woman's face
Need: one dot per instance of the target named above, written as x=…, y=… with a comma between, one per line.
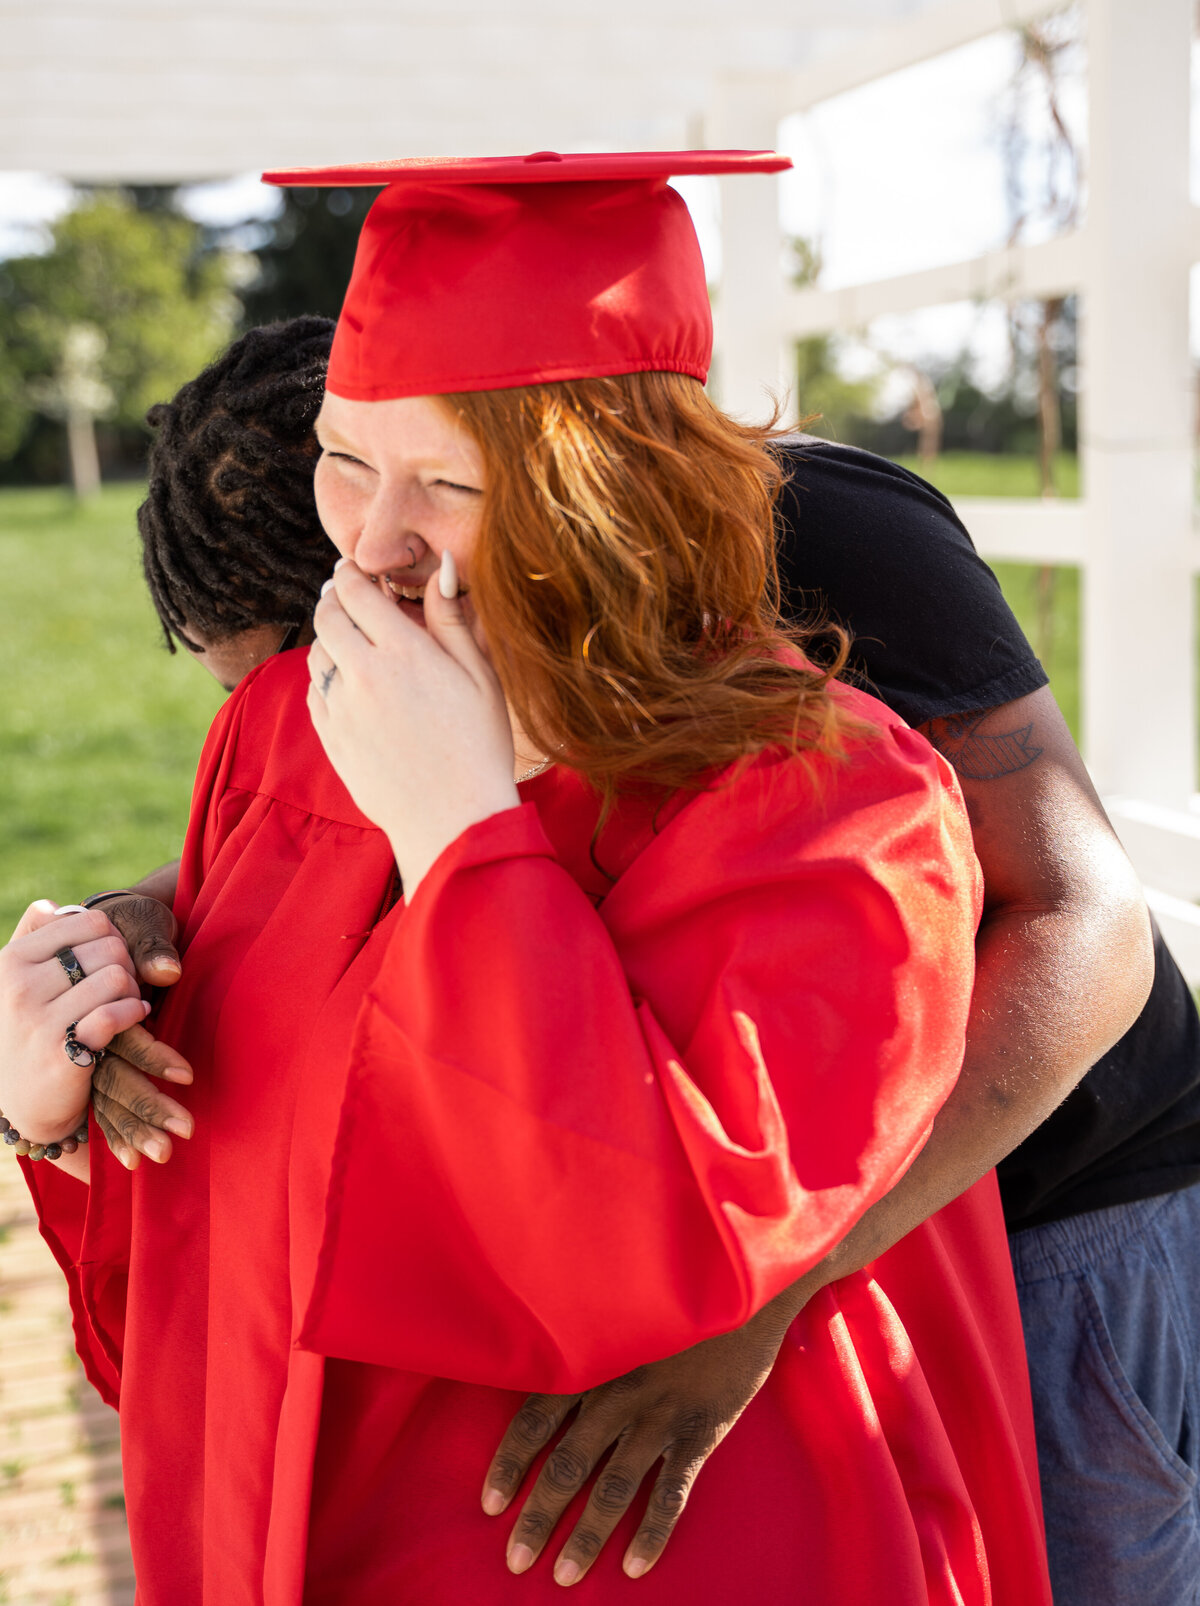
x=397, y=483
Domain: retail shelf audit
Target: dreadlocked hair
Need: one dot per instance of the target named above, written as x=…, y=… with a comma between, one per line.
x=229, y=527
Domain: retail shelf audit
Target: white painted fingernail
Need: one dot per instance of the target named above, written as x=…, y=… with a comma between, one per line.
x=328, y=586
x=45, y=906
x=448, y=576
x=70, y=909
x=341, y=562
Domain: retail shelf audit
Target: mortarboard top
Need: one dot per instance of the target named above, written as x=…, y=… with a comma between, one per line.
x=486, y=273
x=541, y=167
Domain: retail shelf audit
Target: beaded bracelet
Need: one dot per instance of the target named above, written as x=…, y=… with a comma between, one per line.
x=42, y=1151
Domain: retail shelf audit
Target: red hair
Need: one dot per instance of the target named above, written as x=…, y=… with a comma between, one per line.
x=625, y=576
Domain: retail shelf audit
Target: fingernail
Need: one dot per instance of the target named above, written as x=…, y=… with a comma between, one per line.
x=341, y=562
x=494, y=1502
x=328, y=586
x=520, y=1559
x=68, y=909
x=636, y=1566
x=46, y=906
x=147, y=1006
x=177, y=1125
x=156, y=1149
x=566, y=1571
x=128, y=1159
x=448, y=576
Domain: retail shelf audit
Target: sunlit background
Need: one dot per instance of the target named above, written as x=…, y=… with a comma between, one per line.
x=912, y=286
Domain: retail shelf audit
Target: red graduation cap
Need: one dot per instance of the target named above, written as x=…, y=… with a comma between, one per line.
x=484, y=273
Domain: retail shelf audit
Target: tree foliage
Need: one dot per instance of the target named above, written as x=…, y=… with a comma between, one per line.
x=156, y=308
x=304, y=265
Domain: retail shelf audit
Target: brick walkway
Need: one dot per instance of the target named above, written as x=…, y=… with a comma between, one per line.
x=63, y=1540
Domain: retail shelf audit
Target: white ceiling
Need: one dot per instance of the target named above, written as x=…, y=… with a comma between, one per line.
x=169, y=89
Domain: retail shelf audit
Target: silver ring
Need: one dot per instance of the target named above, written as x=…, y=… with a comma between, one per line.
x=69, y=961
x=327, y=680
x=75, y=1050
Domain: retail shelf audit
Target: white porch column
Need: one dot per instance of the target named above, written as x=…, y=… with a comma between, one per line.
x=753, y=358
x=1138, y=658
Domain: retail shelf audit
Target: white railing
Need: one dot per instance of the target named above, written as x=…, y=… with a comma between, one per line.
x=1132, y=533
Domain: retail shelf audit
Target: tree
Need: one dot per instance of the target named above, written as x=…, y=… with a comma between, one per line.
x=115, y=316
x=304, y=266
x=828, y=402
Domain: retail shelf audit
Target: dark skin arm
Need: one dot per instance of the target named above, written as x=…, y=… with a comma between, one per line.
x=1064, y=965
x=131, y=1110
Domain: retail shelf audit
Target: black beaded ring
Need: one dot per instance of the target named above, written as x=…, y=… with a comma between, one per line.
x=69, y=961
x=75, y=1050
x=42, y=1151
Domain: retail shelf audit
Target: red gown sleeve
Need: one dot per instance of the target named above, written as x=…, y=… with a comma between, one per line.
x=573, y=1141
x=88, y=1226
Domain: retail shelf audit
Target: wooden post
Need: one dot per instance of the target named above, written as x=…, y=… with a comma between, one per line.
x=1139, y=657
x=754, y=363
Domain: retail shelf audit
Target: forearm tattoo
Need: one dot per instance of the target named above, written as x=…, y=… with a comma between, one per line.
x=979, y=755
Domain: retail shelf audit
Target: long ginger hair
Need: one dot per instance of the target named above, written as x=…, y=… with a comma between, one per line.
x=625, y=576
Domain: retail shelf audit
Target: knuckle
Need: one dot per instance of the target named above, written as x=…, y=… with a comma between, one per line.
x=132, y=1050
x=652, y=1537
x=111, y=951
x=98, y=1028
x=21, y=992
x=669, y=1496
x=586, y=1544
x=506, y=1473
x=696, y=1426
x=127, y=1125
x=615, y=1488
x=534, y=1423
x=628, y=1383
x=565, y=1469
x=116, y=979
x=534, y=1527
x=146, y=1111
x=98, y=925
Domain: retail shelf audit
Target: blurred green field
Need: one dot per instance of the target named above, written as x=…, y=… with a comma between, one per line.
x=986, y=474
x=101, y=728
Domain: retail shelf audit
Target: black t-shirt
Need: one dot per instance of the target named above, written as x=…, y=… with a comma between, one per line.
x=872, y=547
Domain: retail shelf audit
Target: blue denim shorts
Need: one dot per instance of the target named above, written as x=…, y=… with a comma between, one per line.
x=1110, y=1302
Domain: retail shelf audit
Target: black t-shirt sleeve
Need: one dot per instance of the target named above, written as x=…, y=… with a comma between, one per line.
x=866, y=544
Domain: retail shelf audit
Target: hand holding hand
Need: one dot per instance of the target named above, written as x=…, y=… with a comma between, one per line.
x=43, y=1092
x=149, y=929
x=133, y=1113
x=414, y=721
x=677, y=1410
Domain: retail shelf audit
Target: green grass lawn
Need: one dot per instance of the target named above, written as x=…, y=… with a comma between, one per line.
x=1046, y=601
x=101, y=727
x=987, y=474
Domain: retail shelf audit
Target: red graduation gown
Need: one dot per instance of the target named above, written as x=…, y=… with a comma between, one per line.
x=527, y=1132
